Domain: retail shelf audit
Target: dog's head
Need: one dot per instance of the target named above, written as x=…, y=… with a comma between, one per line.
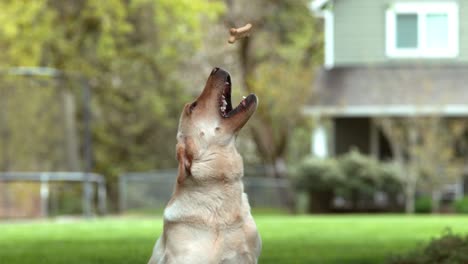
x=208, y=126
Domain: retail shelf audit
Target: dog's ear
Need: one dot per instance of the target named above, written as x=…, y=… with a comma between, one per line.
x=185, y=157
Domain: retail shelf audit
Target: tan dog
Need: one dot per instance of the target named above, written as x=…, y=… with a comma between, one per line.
x=208, y=218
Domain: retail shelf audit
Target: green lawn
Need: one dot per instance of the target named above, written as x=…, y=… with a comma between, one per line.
x=286, y=239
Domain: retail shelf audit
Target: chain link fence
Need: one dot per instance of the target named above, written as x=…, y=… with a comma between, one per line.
x=149, y=192
x=44, y=194
x=44, y=127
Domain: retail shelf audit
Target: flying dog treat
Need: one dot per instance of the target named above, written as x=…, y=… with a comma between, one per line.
x=238, y=33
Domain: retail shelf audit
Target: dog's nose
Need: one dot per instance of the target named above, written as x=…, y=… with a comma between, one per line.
x=215, y=69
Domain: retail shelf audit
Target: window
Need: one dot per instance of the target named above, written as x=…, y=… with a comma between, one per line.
x=422, y=30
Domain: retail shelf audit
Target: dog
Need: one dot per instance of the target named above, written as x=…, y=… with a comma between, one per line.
x=208, y=219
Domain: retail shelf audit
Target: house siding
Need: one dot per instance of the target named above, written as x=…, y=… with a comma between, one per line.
x=359, y=32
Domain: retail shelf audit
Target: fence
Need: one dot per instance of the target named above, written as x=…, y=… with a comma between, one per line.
x=44, y=181
x=150, y=191
x=44, y=113
x=44, y=126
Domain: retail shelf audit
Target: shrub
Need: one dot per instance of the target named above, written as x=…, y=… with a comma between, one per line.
x=353, y=176
x=319, y=178
x=361, y=174
x=390, y=183
x=461, y=206
x=365, y=176
x=314, y=174
x=448, y=249
x=423, y=205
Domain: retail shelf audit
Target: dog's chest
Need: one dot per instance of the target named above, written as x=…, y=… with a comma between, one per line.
x=209, y=245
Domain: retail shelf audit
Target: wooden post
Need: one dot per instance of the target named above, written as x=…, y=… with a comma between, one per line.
x=44, y=192
x=122, y=194
x=87, y=185
x=87, y=197
x=102, y=198
x=71, y=139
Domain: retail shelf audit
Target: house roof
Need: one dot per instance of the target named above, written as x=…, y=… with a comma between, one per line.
x=391, y=90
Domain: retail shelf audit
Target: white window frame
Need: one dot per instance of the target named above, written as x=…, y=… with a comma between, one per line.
x=329, y=39
x=422, y=9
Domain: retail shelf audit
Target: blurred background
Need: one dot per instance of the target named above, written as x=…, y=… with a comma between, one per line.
x=360, y=134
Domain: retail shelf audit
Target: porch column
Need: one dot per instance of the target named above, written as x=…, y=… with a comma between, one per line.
x=319, y=146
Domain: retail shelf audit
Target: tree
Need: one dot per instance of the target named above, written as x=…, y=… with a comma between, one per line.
x=130, y=52
x=424, y=147
x=440, y=164
x=277, y=63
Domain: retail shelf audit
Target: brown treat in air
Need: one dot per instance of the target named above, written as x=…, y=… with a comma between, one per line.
x=238, y=33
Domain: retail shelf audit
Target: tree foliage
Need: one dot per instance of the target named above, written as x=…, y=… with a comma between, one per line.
x=128, y=50
x=137, y=57
x=277, y=63
x=425, y=148
x=130, y=53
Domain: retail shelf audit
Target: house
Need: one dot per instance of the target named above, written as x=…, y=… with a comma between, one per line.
x=387, y=58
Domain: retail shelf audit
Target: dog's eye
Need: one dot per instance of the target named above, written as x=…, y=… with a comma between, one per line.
x=192, y=106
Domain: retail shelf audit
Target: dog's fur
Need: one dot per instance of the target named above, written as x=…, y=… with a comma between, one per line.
x=208, y=218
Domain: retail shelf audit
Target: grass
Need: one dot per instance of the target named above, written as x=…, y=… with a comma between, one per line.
x=286, y=239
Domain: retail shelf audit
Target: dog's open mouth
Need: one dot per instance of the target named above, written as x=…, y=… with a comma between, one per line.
x=225, y=105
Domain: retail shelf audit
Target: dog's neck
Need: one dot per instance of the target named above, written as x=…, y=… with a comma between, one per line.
x=218, y=180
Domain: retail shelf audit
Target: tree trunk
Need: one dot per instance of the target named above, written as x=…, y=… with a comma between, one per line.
x=413, y=167
x=409, y=199
x=4, y=150
x=397, y=145
x=278, y=171
x=71, y=138
x=436, y=197
x=409, y=179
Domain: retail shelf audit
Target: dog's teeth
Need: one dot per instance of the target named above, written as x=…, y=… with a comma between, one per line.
x=243, y=97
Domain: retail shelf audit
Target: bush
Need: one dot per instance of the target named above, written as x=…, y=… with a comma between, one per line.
x=364, y=177
x=461, y=206
x=319, y=178
x=314, y=174
x=423, y=205
x=354, y=176
x=361, y=174
x=448, y=249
